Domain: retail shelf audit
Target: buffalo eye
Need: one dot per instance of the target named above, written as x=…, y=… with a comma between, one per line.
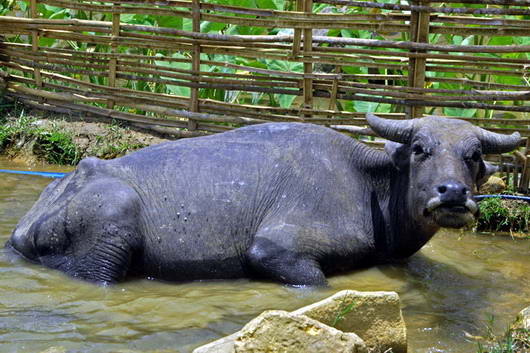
x=417, y=149
x=475, y=157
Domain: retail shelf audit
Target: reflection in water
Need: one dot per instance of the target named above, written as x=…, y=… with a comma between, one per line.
x=448, y=288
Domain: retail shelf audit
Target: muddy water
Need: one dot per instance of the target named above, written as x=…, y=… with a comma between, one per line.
x=447, y=289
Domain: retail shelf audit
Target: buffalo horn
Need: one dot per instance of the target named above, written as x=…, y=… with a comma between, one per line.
x=393, y=130
x=498, y=143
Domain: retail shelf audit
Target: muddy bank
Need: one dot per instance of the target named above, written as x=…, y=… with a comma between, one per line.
x=35, y=137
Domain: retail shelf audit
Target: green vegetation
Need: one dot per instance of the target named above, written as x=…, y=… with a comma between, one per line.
x=342, y=311
x=54, y=139
x=514, y=340
x=52, y=145
x=504, y=215
x=113, y=144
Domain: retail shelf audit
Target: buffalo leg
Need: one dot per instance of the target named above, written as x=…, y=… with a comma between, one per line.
x=277, y=262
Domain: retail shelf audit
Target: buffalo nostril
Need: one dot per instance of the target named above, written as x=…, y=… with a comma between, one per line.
x=465, y=191
x=442, y=189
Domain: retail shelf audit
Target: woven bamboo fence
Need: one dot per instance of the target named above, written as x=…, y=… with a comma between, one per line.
x=334, y=60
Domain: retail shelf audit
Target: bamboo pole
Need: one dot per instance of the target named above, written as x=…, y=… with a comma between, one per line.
x=196, y=63
x=333, y=93
x=16, y=49
x=297, y=32
x=423, y=8
x=275, y=87
x=35, y=40
x=419, y=32
x=525, y=174
x=341, y=41
x=113, y=49
x=308, y=67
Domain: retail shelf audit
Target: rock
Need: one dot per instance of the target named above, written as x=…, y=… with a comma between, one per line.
x=280, y=331
x=523, y=319
x=520, y=332
x=222, y=345
x=374, y=316
x=494, y=185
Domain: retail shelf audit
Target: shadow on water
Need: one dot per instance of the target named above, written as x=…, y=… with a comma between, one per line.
x=448, y=288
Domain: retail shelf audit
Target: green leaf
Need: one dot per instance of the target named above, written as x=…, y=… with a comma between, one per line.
x=468, y=40
x=176, y=89
x=352, y=70
x=22, y=5
x=187, y=24
x=522, y=40
x=126, y=18
x=266, y=4
x=461, y=112
x=384, y=108
x=137, y=19
x=169, y=21
x=255, y=63
x=509, y=80
x=365, y=107
x=243, y=3
x=207, y=26
x=348, y=33
x=53, y=9
x=46, y=42
x=286, y=66
x=245, y=30
x=501, y=41
x=279, y=4
x=286, y=100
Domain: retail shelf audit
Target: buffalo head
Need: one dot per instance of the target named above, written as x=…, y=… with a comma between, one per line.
x=442, y=160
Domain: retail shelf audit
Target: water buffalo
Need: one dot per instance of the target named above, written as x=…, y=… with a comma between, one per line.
x=289, y=202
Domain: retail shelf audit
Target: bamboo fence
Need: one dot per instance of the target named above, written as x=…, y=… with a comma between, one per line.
x=97, y=64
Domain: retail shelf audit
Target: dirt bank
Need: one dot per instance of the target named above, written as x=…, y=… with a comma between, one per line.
x=35, y=136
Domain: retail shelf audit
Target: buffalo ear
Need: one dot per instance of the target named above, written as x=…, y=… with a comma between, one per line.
x=398, y=153
x=485, y=171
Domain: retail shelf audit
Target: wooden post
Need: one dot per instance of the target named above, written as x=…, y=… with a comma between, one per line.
x=196, y=63
x=113, y=62
x=308, y=66
x=334, y=90
x=419, y=32
x=525, y=173
x=297, y=35
x=34, y=13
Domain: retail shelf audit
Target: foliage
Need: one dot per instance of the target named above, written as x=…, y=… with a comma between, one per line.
x=112, y=144
x=6, y=6
x=342, y=311
x=504, y=215
x=53, y=145
x=57, y=147
x=514, y=340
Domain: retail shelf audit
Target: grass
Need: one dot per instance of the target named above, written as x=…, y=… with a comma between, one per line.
x=113, y=144
x=504, y=215
x=57, y=140
x=514, y=340
x=342, y=310
x=52, y=145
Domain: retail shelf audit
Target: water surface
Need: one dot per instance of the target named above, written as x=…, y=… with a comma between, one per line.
x=449, y=288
